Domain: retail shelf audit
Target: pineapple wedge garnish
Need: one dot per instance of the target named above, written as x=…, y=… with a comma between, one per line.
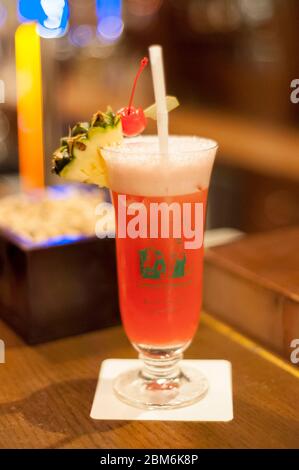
x=79, y=156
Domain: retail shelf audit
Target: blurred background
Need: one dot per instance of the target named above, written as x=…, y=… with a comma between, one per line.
x=229, y=62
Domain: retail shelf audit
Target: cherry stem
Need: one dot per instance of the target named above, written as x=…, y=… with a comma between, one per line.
x=143, y=64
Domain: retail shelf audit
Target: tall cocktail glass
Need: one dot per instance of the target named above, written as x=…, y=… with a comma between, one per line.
x=160, y=206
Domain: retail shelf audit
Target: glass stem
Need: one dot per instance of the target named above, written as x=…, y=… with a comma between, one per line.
x=160, y=363
x=164, y=368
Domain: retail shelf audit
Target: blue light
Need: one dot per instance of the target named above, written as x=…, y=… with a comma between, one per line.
x=54, y=241
x=51, y=16
x=110, y=24
x=58, y=241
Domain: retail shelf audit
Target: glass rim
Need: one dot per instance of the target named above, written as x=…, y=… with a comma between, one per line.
x=130, y=142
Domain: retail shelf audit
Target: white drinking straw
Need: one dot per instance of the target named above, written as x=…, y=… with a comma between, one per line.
x=155, y=53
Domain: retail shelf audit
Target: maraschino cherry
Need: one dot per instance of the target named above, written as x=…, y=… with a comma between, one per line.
x=133, y=119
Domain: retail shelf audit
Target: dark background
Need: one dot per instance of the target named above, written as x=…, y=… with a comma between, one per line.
x=230, y=63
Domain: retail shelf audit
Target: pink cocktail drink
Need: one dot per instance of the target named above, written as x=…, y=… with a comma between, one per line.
x=160, y=280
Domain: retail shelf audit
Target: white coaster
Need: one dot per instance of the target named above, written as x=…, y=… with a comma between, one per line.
x=217, y=405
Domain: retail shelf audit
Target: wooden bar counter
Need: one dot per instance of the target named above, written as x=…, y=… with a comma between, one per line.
x=46, y=394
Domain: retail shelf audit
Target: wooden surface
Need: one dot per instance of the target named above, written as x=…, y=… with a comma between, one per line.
x=257, y=286
x=46, y=394
x=270, y=259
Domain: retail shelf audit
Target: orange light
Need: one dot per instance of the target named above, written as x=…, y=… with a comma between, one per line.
x=29, y=106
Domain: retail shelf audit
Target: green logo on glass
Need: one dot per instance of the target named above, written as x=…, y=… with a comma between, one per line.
x=153, y=265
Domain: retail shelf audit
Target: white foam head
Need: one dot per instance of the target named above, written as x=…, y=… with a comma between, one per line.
x=136, y=166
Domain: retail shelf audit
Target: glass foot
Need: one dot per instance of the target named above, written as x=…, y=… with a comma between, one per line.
x=187, y=387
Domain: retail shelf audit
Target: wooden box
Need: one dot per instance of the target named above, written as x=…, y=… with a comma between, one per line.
x=253, y=283
x=56, y=290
